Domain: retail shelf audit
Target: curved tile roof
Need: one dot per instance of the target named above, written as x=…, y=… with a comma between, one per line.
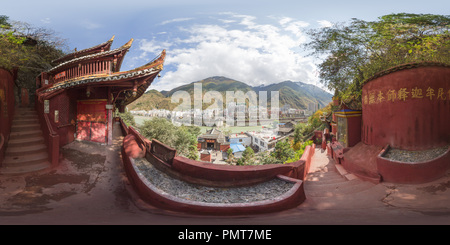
x=105, y=46
x=125, y=47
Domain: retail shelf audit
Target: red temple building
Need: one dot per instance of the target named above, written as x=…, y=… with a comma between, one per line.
x=77, y=98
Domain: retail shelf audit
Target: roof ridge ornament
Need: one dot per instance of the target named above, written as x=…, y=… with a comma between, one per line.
x=128, y=44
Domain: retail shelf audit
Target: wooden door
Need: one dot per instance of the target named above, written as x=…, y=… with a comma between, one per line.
x=92, y=120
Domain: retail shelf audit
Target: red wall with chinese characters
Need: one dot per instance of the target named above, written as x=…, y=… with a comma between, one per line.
x=408, y=108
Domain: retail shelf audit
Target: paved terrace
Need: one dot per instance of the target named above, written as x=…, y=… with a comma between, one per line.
x=90, y=187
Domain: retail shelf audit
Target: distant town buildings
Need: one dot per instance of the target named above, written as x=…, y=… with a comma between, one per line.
x=215, y=141
x=313, y=107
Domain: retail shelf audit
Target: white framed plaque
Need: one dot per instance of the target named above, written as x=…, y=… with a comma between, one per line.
x=46, y=106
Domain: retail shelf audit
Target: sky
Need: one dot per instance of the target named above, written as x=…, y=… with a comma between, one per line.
x=256, y=42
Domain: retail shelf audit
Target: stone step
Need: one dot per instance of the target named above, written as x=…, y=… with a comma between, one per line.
x=28, y=159
x=25, y=134
x=26, y=149
x=25, y=127
x=20, y=112
x=27, y=120
x=23, y=110
x=12, y=170
x=26, y=141
x=26, y=117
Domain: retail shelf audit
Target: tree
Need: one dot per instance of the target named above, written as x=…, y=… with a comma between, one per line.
x=128, y=118
x=230, y=156
x=30, y=49
x=283, y=151
x=248, y=155
x=356, y=51
x=160, y=129
x=185, y=142
x=183, y=138
x=299, y=149
x=302, y=131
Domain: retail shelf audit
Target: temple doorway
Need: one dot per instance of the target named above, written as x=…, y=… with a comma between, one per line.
x=92, y=120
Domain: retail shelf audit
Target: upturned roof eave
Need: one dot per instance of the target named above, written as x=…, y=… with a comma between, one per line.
x=95, y=49
x=63, y=65
x=115, y=78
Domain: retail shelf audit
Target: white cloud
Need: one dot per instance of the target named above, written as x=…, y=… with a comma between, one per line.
x=324, y=23
x=46, y=20
x=175, y=20
x=245, y=51
x=152, y=46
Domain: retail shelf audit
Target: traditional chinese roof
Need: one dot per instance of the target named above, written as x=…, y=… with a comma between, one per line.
x=145, y=74
x=122, y=49
x=92, y=50
x=214, y=134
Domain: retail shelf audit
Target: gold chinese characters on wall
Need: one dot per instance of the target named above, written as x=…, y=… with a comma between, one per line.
x=404, y=94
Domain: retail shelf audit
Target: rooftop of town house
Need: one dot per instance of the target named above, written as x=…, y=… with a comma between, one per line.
x=267, y=135
x=241, y=135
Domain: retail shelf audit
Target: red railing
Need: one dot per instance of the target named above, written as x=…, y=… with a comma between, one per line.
x=51, y=138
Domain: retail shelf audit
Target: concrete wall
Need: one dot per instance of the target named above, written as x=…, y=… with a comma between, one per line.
x=134, y=145
x=133, y=148
x=408, y=108
x=412, y=173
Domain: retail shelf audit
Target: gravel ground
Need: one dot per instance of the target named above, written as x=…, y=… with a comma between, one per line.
x=415, y=156
x=259, y=192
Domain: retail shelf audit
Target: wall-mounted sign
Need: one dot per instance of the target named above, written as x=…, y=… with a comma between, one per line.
x=46, y=106
x=61, y=74
x=56, y=116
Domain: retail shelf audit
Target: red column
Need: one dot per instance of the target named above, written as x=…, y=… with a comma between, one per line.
x=109, y=108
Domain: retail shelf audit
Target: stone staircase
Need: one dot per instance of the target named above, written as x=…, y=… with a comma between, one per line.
x=26, y=150
x=328, y=184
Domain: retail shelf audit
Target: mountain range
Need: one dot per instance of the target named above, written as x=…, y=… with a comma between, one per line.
x=295, y=94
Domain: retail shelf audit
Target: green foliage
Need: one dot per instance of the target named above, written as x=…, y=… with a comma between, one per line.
x=240, y=162
x=299, y=152
x=283, y=151
x=356, y=51
x=4, y=21
x=314, y=123
x=230, y=157
x=266, y=158
x=183, y=138
x=127, y=118
x=247, y=155
x=30, y=49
